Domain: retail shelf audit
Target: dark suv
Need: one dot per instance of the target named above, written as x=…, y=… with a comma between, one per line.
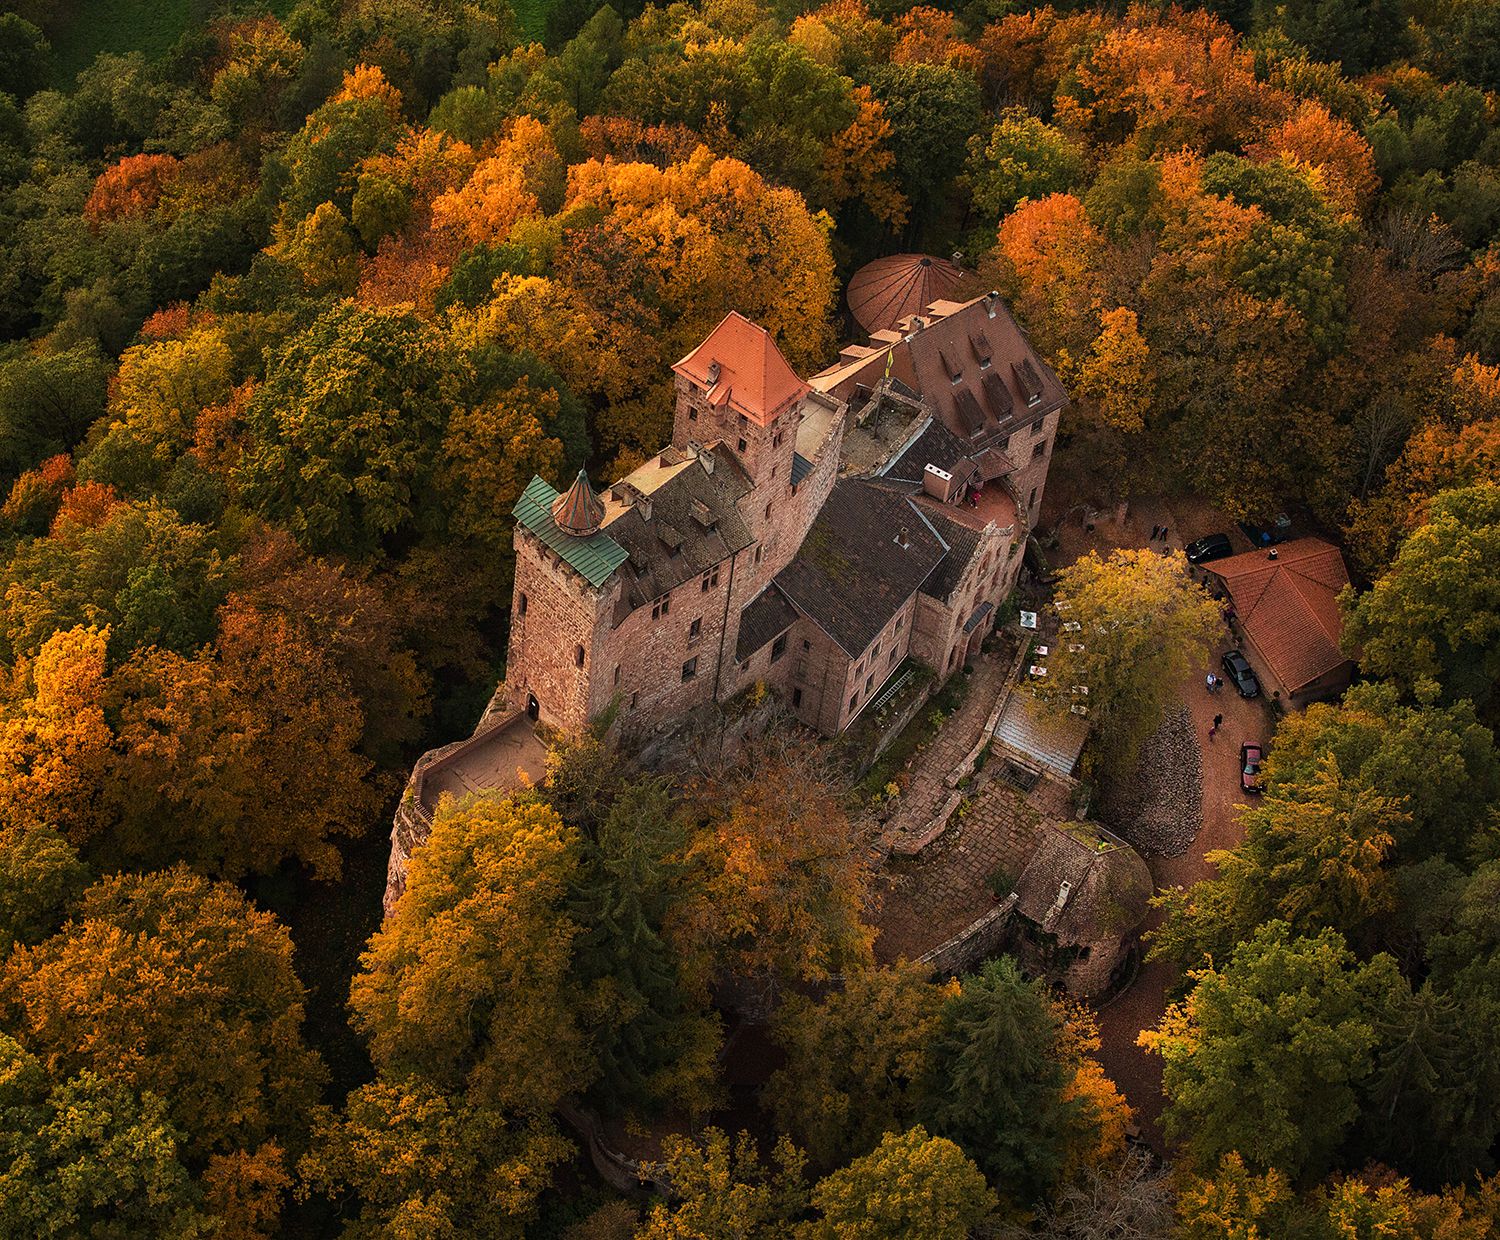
x=1239, y=672
x=1213, y=547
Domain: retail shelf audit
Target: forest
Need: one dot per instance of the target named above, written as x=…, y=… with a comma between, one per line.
x=294, y=304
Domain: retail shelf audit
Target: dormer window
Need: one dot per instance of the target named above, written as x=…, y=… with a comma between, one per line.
x=980, y=345
x=955, y=373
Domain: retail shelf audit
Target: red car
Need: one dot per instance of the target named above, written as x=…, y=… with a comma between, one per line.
x=1251, y=755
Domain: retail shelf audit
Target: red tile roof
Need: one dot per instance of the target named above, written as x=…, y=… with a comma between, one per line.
x=1289, y=606
x=752, y=377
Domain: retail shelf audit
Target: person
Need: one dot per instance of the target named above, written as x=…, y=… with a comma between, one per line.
x=1155, y=530
x=1218, y=720
x=1211, y=682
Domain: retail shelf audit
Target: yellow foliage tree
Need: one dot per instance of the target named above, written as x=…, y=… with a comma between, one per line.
x=1116, y=374
x=468, y=984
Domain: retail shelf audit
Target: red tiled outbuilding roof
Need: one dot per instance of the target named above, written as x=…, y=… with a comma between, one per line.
x=740, y=366
x=1289, y=606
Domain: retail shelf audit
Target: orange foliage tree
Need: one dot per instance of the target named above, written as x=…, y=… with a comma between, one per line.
x=130, y=188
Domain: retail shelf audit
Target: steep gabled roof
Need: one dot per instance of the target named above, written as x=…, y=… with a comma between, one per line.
x=740, y=366
x=853, y=571
x=1289, y=606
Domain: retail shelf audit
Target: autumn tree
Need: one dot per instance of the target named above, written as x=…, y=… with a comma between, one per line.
x=1116, y=374
x=469, y=986
x=910, y=1184
x=1021, y=157
x=1267, y=1054
x=1134, y=625
x=1232, y=1200
x=655, y=1046
x=411, y=1156
x=996, y=1085
x=1431, y=623
x=1313, y=857
x=55, y=740
x=237, y=759
x=346, y=431
x=41, y=876
x=724, y=1188
x=1436, y=764
x=782, y=875
x=153, y=578
x=856, y=1060
x=169, y=984
x=47, y=401
x=88, y=1156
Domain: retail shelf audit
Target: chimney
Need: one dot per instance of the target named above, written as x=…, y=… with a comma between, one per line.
x=901, y=539
x=990, y=299
x=713, y=374
x=938, y=483
x=1271, y=554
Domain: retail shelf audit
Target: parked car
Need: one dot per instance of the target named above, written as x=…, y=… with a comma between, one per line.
x=1251, y=756
x=1268, y=533
x=1213, y=547
x=1239, y=672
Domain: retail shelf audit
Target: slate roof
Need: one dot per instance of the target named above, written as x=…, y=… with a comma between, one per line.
x=596, y=556
x=765, y=617
x=851, y=574
x=741, y=367
x=1288, y=607
x=936, y=445
x=695, y=521
x=1109, y=886
x=801, y=467
x=963, y=542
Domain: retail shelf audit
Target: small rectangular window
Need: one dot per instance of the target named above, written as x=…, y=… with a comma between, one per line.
x=1036, y=427
x=695, y=630
x=617, y=673
x=859, y=669
x=778, y=648
x=854, y=701
x=875, y=650
x=635, y=700
x=1031, y=503
x=661, y=607
x=869, y=682
x=806, y=645
x=768, y=512
x=796, y=697
x=690, y=668
x=900, y=620
x=759, y=552
x=742, y=445
x=1036, y=452
x=692, y=414
x=521, y=601
x=893, y=654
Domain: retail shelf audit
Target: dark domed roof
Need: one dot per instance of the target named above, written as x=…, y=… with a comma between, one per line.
x=884, y=292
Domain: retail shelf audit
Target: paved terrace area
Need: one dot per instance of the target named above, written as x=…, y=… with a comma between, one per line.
x=507, y=755
x=927, y=899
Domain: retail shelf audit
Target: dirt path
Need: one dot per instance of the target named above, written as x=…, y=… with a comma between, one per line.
x=1137, y=1073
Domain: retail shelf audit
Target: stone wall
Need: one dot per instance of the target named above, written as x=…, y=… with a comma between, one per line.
x=554, y=611
x=975, y=943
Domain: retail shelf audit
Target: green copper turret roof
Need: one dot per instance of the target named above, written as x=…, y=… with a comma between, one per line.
x=596, y=556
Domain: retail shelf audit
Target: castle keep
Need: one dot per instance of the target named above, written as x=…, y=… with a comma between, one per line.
x=806, y=534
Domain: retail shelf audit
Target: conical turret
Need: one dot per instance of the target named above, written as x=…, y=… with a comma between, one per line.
x=578, y=511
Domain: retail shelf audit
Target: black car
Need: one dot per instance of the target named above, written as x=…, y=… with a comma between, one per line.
x=1239, y=672
x=1268, y=533
x=1213, y=547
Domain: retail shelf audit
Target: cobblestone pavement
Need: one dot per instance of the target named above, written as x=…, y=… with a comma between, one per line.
x=927, y=899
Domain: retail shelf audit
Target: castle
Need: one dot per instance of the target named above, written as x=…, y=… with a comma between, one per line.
x=808, y=535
